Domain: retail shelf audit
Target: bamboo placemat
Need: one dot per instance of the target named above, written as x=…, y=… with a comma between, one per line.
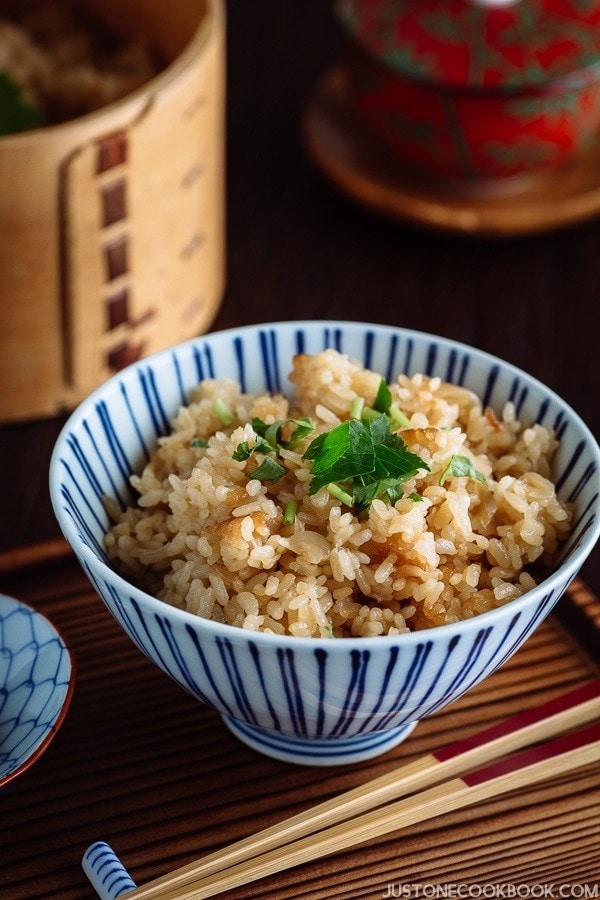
x=140, y=764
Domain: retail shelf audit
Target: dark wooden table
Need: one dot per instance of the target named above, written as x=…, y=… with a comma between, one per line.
x=137, y=762
x=142, y=765
x=299, y=248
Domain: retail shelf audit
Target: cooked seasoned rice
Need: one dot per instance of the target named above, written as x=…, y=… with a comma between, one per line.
x=65, y=61
x=208, y=538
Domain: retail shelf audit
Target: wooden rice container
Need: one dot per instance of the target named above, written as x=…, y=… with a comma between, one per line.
x=112, y=224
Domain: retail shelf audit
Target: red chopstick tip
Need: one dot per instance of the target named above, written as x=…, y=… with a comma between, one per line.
x=581, y=694
x=532, y=755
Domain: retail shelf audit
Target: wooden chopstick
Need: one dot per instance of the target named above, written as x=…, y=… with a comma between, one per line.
x=574, y=709
x=547, y=760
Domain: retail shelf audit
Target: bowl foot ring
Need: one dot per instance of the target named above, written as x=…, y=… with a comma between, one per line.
x=314, y=751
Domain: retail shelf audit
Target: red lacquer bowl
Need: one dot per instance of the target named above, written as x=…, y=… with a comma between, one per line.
x=475, y=90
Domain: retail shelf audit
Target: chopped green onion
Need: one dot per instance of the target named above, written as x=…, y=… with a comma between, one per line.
x=223, y=412
x=340, y=494
x=356, y=407
x=369, y=414
x=289, y=513
x=199, y=442
x=398, y=416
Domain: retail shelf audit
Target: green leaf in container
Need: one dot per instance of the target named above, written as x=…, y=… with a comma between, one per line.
x=16, y=112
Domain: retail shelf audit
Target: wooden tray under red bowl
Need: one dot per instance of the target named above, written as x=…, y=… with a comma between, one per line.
x=140, y=764
x=350, y=156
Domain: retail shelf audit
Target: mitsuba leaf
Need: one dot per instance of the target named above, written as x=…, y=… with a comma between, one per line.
x=461, y=466
x=303, y=427
x=365, y=452
x=259, y=426
x=242, y=452
x=383, y=400
x=340, y=454
x=363, y=495
x=273, y=432
x=268, y=470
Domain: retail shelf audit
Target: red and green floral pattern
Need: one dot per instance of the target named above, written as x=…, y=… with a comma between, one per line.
x=462, y=42
x=462, y=89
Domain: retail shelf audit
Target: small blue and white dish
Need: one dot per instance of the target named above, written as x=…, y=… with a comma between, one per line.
x=314, y=701
x=37, y=676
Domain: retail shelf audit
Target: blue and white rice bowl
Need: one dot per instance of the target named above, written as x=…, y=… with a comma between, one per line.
x=314, y=701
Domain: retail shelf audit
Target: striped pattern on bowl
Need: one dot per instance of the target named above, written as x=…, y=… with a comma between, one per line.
x=307, y=700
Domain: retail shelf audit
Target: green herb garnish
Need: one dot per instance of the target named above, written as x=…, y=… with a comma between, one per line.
x=383, y=404
x=223, y=412
x=273, y=433
x=16, y=112
x=340, y=494
x=368, y=413
x=363, y=495
x=398, y=417
x=362, y=459
x=356, y=407
x=266, y=431
x=244, y=451
x=270, y=439
x=303, y=427
x=199, y=442
x=356, y=461
x=289, y=513
x=383, y=400
x=461, y=466
x=268, y=470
